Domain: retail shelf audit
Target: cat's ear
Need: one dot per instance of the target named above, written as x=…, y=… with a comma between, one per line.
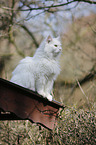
x=49, y=39
x=58, y=38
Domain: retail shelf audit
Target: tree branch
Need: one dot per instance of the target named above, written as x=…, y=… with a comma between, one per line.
x=46, y=7
x=3, y=59
x=57, y=5
x=86, y=97
x=88, y=77
x=32, y=36
x=10, y=32
x=87, y=1
x=20, y=8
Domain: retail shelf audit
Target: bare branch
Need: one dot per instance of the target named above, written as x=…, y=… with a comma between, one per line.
x=57, y=5
x=87, y=1
x=30, y=33
x=46, y=8
x=3, y=59
x=93, y=28
x=88, y=77
x=88, y=103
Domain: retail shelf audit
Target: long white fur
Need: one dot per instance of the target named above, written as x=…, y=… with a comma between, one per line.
x=39, y=72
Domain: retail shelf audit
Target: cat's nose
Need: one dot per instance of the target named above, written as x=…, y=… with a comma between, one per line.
x=60, y=48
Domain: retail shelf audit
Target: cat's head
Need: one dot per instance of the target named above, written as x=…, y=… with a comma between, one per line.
x=53, y=47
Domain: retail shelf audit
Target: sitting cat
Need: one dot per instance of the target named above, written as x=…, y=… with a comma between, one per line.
x=39, y=72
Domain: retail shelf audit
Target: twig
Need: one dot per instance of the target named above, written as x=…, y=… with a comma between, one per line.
x=17, y=49
x=10, y=32
x=48, y=7
x=92, y=28
x=58, y=5
x=32, y=36
x=84, y=94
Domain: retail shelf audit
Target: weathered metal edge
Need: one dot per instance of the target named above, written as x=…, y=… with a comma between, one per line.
x=12, y=116
x=29, y=93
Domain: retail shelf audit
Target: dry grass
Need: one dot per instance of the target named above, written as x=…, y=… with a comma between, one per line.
x=73, y=127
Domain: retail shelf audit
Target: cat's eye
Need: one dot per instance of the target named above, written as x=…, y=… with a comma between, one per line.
x=55, y=45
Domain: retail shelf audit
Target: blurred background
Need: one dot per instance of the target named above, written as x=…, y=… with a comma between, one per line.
x=25, y=23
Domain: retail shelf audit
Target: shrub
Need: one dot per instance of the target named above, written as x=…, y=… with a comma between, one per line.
x=73, y=128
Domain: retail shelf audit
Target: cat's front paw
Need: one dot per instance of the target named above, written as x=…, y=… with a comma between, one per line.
x=49, y=97
x=41, y=93
x=45, y=95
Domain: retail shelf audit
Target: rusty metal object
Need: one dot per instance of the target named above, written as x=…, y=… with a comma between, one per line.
x=25, y=104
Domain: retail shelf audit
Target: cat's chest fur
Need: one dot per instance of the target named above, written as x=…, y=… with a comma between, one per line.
x=47, y=67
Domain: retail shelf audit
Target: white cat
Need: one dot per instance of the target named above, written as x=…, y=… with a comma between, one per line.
x=39, y=72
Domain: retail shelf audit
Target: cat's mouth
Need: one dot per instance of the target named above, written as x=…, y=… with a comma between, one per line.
x=56, y=53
